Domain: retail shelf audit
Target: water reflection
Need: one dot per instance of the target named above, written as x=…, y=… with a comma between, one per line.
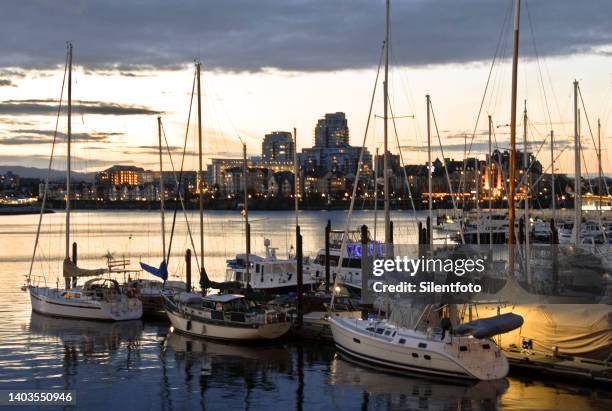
x=415, y=392
x=90, y=338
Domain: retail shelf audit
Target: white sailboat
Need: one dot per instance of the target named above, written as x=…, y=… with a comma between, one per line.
x=98, y=298
x=388, y=344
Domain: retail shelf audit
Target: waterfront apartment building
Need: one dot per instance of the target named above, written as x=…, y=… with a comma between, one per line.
x=277, y=146
x=332, y=131
x=332, y=151
x=118, y=175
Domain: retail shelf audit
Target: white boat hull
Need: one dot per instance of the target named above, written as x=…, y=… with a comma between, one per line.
x=434, y=360
x=225, y=332
x=49, y=302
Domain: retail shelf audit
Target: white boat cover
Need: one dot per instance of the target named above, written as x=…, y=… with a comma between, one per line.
x=583, y=330
x=187, y=298
x=72, y=270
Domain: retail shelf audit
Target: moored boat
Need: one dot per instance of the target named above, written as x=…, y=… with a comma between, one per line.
x=382, y=343
x=224, y=316
x=98, y=299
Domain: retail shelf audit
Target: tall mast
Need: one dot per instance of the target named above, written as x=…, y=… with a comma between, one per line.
x=296, y=187
x=511, y=210
x=526, y=201
x=552, y=172
x=162, y=191
x=68, y=153
x=247, y=229
x=577, y=186
x=200, y=170
x=429, y=169
x=386, y=148
x=376, y=194
x=490, y=176
x=599, y=169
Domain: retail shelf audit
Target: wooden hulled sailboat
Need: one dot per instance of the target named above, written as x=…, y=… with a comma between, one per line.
x=99, y=298
x=220, y=316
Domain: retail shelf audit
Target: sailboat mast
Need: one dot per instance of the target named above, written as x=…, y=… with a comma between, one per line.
x=162, y=191
x=386, y=120
x=68, y=153
x=599, y=169
x=429, y=169
x=526, y=201
x=577, y=186
x=511, y=207
x=376, y=194
x=296, y=181
x=247, y=229
x=490, y=173
x=552, y=171
x=200, y=167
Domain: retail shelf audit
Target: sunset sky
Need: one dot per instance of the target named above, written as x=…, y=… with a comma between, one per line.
x=274, y=65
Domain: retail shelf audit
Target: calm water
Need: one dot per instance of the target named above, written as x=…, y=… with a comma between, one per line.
x=142, y=365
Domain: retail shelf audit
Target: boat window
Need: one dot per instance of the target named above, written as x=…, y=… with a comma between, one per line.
x=486, y=346
x=257, y=268
x=463, y=348
x=422, y=345
x=379, y=330
x=371, y=329
x=394, y=332
x=415, y=355
x=402, y=341
x=387, y=332
x=351, y=263
x=357, y=340
x=427, y=357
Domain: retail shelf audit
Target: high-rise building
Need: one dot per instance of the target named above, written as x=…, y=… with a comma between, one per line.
x=332, y=152
x=332, y=131
x=277, y=146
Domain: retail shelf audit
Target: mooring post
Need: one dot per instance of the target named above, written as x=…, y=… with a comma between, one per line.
x=365, y=268
x=420, y=232
x=554, y=241
x=74, y=260
x=428, y=239
x=300, y=278
x=327, y=276
x=188, y=269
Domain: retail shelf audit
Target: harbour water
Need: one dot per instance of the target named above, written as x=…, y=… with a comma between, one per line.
x=144, y=365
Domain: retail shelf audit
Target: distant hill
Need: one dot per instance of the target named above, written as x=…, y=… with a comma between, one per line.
x=41, y=173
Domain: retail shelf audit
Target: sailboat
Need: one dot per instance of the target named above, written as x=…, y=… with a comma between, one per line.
x=268, y=274
x=151, y=292
x=226, y=316
x=422, y=349
x=99, y=298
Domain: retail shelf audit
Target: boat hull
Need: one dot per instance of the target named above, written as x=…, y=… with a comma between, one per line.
x=211, y=330
x=52, y=304
x=433, y=361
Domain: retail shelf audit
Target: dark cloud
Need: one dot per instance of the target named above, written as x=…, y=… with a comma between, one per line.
x=34, y=136
x=42, y=161
x=49, y=107
x=302, y=35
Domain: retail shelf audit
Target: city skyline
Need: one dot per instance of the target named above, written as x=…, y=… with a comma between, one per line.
x=245, y=98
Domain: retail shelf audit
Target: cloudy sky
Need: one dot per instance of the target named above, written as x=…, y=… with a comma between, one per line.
x=278, y=64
